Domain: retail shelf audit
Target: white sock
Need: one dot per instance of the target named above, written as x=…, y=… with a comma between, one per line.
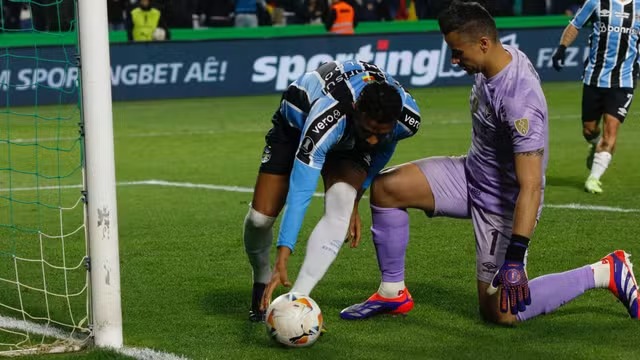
x=327, y=237
x=390, y=289
x=257, y=237
x=601, y=161
x=601, y=272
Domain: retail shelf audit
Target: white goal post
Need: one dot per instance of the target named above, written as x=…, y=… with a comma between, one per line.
x=101, y=209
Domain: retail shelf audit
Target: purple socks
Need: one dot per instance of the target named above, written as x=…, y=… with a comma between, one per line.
x=390, y=229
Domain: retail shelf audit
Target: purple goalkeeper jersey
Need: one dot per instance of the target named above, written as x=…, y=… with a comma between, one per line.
x=509, y=115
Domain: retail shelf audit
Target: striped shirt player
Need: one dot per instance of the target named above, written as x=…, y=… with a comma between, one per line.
x=609, y=77
x=323, y=120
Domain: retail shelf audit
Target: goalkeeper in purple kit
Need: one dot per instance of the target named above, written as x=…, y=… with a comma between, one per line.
x=499, y=185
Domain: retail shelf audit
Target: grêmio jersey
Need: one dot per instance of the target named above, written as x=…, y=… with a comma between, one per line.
x=613, y=43
x=319, y=104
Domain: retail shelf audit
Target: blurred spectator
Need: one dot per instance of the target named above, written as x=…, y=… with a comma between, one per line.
x=246, y=12
x=534, y=7
x=294, y=11
x=421, y=8
x=146, y=23
x=316, y=9
x=341, y=18
x=501, y=7
x=434, y=7
x=26, y=23
x=52, y=15
x=10, y=15
x=116, y=10
x=219, y=13
x=371, y=10
x=565, y=7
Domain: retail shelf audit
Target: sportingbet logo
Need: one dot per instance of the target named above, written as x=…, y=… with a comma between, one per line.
x=618, y=29
x=421, y=67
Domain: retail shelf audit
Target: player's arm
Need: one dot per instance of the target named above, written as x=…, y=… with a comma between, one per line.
x=527, y=125
x=528, y=167
x=570, y=33
x=318, y=136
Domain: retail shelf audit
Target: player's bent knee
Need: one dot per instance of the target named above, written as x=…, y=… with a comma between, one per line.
x=339, y=201
x=382, y=191
x=258, y=220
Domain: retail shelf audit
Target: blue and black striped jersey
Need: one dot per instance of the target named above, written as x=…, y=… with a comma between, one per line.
x=613, y=54
x=318, y=104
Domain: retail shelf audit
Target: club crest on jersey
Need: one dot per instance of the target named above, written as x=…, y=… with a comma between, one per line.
x=368, y=79
x=522, y=126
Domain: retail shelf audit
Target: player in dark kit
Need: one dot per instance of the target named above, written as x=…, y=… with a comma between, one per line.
x=499, y=185
x=609, y=76
x=341, y=121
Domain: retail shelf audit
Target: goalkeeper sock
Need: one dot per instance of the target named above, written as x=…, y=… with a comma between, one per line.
x=601, y=274
x=258, y=236
x=601, y=162
x=390, y=290
x=327, y=237
x=390, y=231
x=549, y=292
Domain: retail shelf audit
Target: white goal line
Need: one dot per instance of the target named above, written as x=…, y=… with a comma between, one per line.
x=241, y=189
x=52, y=332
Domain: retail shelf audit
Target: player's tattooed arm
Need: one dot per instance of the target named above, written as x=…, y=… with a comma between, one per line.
x=539, y=152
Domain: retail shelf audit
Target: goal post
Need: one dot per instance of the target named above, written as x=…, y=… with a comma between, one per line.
x=102, y=214
x=59, y=245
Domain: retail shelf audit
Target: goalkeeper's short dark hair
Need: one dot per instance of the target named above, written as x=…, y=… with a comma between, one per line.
x=469, y=18
x=380, y=101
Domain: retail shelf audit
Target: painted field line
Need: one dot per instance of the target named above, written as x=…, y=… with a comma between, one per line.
x=241, y=189
x=48, y=331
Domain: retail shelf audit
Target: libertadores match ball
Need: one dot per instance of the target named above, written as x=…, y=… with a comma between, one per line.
x=294, y=320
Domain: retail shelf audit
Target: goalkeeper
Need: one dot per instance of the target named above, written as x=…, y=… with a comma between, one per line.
x=341, y=121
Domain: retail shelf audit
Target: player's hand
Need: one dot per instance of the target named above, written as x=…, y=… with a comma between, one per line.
x=515, y=287
x=355, y=225
x=278, y=277
x=558, y=57
x=512, y=277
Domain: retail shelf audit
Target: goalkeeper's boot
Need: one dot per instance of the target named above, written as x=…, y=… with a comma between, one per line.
x=593, y=185
x=377, y=304
x=622, y=282
x=255, y=314
x=592, y=153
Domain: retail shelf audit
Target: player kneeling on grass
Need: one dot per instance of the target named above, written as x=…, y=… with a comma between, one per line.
x=499, y=184
x=341, y=121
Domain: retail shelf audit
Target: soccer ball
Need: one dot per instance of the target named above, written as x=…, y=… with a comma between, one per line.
x=159, y=34
x=294, y=320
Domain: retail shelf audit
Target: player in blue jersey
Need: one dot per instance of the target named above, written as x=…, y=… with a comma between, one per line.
x=499, y=185
x=342, y=122
x=609, y=76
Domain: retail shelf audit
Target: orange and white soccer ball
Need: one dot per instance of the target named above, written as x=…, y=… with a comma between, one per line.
x=294, y=320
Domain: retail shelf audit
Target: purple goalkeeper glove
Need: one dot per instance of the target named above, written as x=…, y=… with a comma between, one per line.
x=511, y=275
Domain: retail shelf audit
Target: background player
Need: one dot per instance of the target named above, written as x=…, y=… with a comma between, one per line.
x=343, y=121
x=499, y=185
x=609, y=76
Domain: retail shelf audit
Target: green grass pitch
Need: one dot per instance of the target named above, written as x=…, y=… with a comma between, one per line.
x=186, y=281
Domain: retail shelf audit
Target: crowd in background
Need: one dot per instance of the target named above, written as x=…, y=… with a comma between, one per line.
x=44, y=16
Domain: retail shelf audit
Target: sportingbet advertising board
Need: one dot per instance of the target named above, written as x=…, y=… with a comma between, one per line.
x=261, y=66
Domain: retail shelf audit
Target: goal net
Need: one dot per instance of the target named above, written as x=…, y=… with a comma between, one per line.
x=45, y=263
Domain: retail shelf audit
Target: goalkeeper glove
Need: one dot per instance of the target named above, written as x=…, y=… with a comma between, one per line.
x=513, y=278
x=558, y=57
